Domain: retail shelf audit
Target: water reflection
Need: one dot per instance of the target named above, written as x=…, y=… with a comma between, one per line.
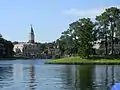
x=97, y=77
x=18, y=73
x=106, y=76
x=112, y=70
x=6, y=75
x=58, y=77
x=5, y=72
x=77, y=77
x=69, y=77
x=107, y=81
x=31, y=84
x=84, y=77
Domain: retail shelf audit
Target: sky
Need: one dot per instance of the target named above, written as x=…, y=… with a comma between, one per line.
x=49, y=18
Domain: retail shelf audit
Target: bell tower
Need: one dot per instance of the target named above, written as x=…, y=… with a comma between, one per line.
x=31, y=36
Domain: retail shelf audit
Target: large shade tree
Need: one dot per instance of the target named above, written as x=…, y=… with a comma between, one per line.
x=84, y=32
x=110, y=21
x=78, y=38
x=68, y=41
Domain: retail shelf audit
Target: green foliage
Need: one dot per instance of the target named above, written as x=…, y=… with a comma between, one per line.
x=109, y=22
x=66, y=43
x=0, y=36
x=85, y=36
x=78, y=38
x=6, y=48
x=81, y=35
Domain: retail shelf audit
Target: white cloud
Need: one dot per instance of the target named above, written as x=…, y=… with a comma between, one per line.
x=86, y=12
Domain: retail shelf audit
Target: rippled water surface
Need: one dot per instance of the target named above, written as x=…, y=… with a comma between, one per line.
x=35, y=75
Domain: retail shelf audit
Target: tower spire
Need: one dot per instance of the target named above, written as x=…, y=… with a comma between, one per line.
x=31, y=35
x=31, y=29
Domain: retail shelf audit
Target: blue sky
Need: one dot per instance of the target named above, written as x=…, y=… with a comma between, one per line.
x=48, y=17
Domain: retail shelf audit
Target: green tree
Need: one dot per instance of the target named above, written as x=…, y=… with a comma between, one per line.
x=69, y=40
x=7, y=48
x=0, y=36
x=61, y=45
x=102, y=27
x=109, y=20
x=85, y=37
x=64, y=44
x=78, y=38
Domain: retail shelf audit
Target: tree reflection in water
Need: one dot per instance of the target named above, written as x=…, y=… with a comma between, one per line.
x=112, y=75
x=79, y=78
x=67, y=77
x=106, y=77
x=84, y=77
x=112, y=70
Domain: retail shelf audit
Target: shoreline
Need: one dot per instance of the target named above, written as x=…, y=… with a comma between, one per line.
x=79, y=61
x=13, y=58
x=82, y=63
x=17, y=58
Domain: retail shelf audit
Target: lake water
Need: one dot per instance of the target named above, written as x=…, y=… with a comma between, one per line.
x=35, y=75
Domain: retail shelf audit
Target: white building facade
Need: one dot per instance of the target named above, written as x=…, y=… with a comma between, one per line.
x=27, y=49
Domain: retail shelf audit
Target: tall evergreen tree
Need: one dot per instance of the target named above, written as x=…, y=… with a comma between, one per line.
x=85, y=37
x=109, y=21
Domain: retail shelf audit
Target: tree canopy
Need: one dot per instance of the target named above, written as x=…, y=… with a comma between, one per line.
x=6, y=48
x=79, y=38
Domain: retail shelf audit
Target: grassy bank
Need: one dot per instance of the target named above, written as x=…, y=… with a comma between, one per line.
x=78, y=60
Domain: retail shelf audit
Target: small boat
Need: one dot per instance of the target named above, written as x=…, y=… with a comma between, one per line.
x=116, y=86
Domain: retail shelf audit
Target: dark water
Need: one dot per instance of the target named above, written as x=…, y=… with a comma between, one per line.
x=35, y=75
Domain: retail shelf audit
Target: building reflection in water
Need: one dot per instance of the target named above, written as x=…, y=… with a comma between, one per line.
x=32, y=84
x=18, y=73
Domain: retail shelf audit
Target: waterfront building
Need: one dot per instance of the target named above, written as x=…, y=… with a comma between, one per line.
x=27, y=49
